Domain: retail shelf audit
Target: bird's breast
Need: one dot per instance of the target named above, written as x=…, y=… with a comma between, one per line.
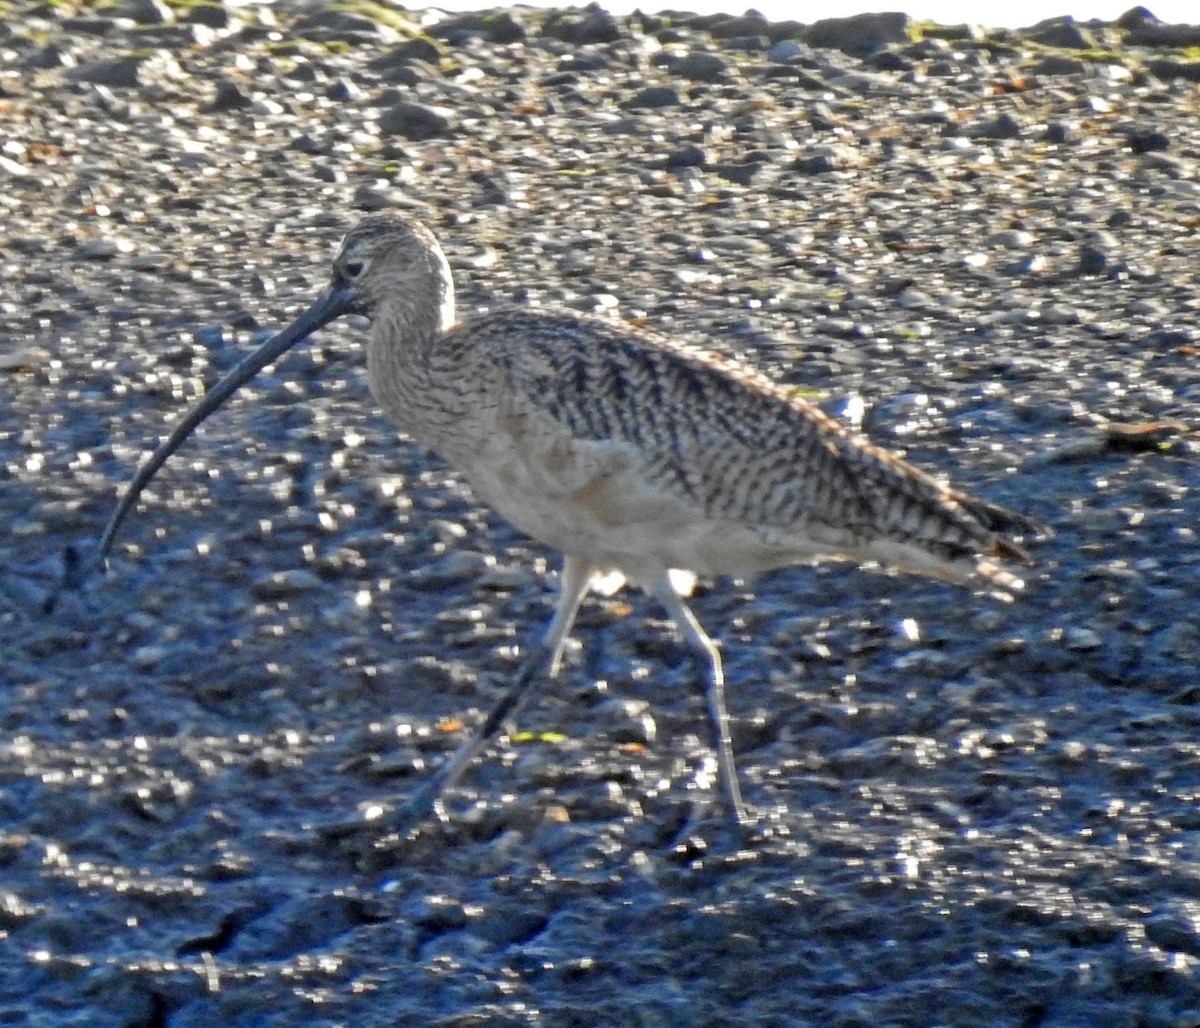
x=602, y=501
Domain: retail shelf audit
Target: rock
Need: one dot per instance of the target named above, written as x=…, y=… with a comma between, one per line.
x=750, y=24
x=1093, y=259
x=15, y=170
x=210, y=15
x=102, y=249
x=740, y=174
x=343, y=26
x=458, y=566
x=748, y=44
x=282, y=585
x=1175, y=931
x=1058, y=64
x=417, y=121
x=1156, y=34
x=343, y=91
x=1147, y=140
x=420, y=49
x=860, y=34
x=690, y=156
x=699, y=66
x=1061, y=32
x=146, y=12
x=1135, y=18
x=1003, y=126
x=129, y=72
x=653, y=97
x=1167, y=69
x=229, y=97
x=499, y=27
x=1057, y=133
x=88, y=26
x=594, y=26
x=788, y=50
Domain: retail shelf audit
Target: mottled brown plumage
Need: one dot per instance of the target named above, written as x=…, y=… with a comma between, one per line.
x=628, y=448
x=628, y=451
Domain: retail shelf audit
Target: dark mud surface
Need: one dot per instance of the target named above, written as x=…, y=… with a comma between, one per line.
x=971, y=813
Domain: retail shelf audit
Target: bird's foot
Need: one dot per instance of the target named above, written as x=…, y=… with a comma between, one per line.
x=79, y=562
x=714, y=830
x=376, y=837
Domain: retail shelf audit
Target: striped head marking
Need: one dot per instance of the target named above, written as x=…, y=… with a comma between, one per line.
x=388, y=258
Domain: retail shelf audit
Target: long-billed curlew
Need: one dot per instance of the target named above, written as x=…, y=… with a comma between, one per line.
x=628, y=451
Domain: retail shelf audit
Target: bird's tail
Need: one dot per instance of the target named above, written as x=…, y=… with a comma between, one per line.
x=979, y=565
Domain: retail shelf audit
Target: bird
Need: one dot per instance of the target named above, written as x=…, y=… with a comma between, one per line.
x=639, y=456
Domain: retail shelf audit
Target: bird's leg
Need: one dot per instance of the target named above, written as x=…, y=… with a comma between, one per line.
x=708, y=663
x=546, y=655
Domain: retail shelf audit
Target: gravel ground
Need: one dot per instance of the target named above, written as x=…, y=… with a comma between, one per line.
x=972, y=813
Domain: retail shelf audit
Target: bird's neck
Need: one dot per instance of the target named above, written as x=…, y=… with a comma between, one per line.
x=403, y=350
x=410, y=322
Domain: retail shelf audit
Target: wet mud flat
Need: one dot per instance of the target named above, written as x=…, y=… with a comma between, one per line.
x=981, y=243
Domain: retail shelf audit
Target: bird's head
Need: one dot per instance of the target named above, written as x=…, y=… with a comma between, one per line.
x=387, y=259
x=387, y=266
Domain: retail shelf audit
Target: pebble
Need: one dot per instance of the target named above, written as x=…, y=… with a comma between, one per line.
x=653, y=97
x=459, y=566
x=699, y=67
x=280, y=585
x=417, y=121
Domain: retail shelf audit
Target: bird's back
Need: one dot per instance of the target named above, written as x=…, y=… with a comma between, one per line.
x=622, y=445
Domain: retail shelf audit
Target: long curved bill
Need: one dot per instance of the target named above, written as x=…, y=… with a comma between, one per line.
x=330, y=305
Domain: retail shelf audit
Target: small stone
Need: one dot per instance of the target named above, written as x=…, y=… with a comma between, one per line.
x=1003, y=126
x=130, y=71
x=86, y=26
x=344, y=26
x=15, y=169
x=417, y=121
x=146, y=12
x=420, y=49
x=597, y=26
x=501, y=27
x=1174, y=932
x=229, y=97
x=1082, y=639
x=815, y=164
x=750, y=24
x=374, y=198
x=1057, y=133
x=860, y=34
x=1058, y=64
x=1092, y=259
x=690, y=156
x=1063, y=33
x=700, y=67
x=146, y=657
x=1013, y=239
x=459, y=566
x=51, y=55
x=213, y=16
x=1144, y=140
x=211, y=335
x=103, y=249
x=749, y=44
x=786, y=50
x=653, y=97
x=281, y=585
x=630, y=722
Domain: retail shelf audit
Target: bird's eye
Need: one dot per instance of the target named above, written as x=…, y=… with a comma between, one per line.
x=353, y=269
